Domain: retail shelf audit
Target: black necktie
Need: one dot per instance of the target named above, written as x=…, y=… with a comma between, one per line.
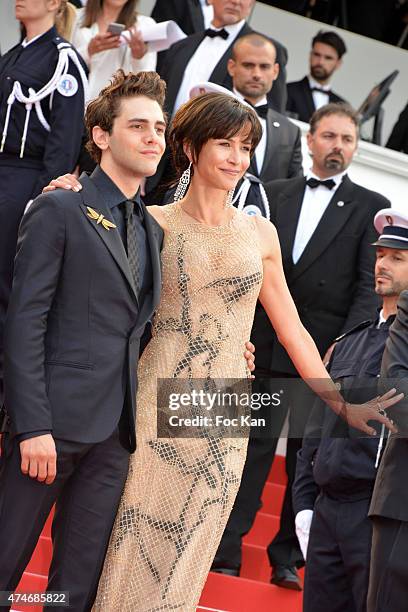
x=313, y=183
x=132, y=251
x=214, y=33
x=261, y=110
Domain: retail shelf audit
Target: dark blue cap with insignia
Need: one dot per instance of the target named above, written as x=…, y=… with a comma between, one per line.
x=392, y=225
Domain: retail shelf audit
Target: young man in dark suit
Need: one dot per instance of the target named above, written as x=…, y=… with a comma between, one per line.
x=314, y=91
x=86, y=281
x=328, y=261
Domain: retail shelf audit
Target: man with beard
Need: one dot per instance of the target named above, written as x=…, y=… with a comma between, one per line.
x=337, y=466
x=325, y=236
x=314, y=91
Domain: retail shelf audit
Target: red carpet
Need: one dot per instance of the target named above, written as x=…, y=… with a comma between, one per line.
x=249, y=593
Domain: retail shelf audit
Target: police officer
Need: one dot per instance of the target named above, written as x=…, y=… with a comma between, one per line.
x=42, y=96
x=336, y=467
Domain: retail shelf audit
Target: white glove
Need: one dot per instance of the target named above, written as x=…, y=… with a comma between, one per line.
x=303, y=521
x=28, y=206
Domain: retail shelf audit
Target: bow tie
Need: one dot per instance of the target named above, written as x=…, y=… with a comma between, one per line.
x=214, y=33
x=261, y=110
x=324, y=91
x=313, y=183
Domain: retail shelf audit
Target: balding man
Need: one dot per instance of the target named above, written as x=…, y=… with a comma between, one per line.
x=254, y=70
x=204, y=57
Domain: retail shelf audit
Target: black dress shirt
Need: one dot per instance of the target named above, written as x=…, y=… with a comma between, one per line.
x=113, y=198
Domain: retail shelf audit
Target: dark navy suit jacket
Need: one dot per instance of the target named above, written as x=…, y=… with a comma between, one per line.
x=74, y=323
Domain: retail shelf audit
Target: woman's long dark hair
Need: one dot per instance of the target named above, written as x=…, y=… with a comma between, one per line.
x=127, y=16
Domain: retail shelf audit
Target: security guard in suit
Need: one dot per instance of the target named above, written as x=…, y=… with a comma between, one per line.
x=42, y=97
x=337, y=467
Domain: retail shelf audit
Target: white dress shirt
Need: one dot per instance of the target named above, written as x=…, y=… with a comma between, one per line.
x=261, y=148
x=102, y=65
x=204, y=60
x=319, y=98
x=315, y=202
x=208, y=13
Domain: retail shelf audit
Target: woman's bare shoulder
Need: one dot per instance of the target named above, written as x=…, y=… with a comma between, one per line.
x=265, y=227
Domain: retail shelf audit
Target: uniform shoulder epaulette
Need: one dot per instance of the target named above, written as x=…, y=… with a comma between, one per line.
x=354, y=329
x=58, y=41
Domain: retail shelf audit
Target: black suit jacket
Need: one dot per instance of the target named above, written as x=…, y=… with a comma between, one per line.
x=74, y=323
x=172, y=71
x=300, y=99
x=390, y=496
x=283, y=155
x=332, y=283
x=181, y=52
x=186, y=13
x=398, y=139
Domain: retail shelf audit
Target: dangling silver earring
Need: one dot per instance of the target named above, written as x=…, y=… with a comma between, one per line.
x=229, y=198
x=183, y=184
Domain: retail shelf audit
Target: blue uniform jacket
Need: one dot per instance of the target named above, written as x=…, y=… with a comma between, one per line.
x=335, y=458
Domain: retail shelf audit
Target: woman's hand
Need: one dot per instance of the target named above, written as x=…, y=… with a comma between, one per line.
x=138, y=47
x=102, y=42
x=67, y=181
x=357, y=415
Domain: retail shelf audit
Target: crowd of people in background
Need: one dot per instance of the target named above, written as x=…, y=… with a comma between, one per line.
x=324, y=222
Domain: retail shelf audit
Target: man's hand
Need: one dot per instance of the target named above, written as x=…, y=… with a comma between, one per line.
x=357, y=415
x=102, y=42
x=67, y=181
x=249, y=355
x=39, y=458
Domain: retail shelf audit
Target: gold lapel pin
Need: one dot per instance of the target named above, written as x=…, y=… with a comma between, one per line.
x=99, y=218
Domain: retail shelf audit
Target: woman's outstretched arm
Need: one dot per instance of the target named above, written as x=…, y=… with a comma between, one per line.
x=281, y=310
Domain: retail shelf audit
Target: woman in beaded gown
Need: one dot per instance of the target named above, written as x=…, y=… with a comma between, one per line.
x=216, y=262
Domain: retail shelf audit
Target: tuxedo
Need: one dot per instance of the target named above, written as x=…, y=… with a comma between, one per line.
x=181, y=52
x=332, y=285
x=398, y=139
x=389, y=504
x=300, y=101
x=283, y=154
x=73, y=332
x=186, y=13
x=172, y=72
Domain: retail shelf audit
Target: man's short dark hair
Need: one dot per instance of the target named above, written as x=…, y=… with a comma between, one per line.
x=334, y=108
x=254, y=39
x=104, y=109
x=332, y=39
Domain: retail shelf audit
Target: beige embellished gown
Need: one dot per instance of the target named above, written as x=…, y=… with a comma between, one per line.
x=180, y=491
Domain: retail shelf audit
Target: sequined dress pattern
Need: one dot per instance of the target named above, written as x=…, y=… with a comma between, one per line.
x=180, y=491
